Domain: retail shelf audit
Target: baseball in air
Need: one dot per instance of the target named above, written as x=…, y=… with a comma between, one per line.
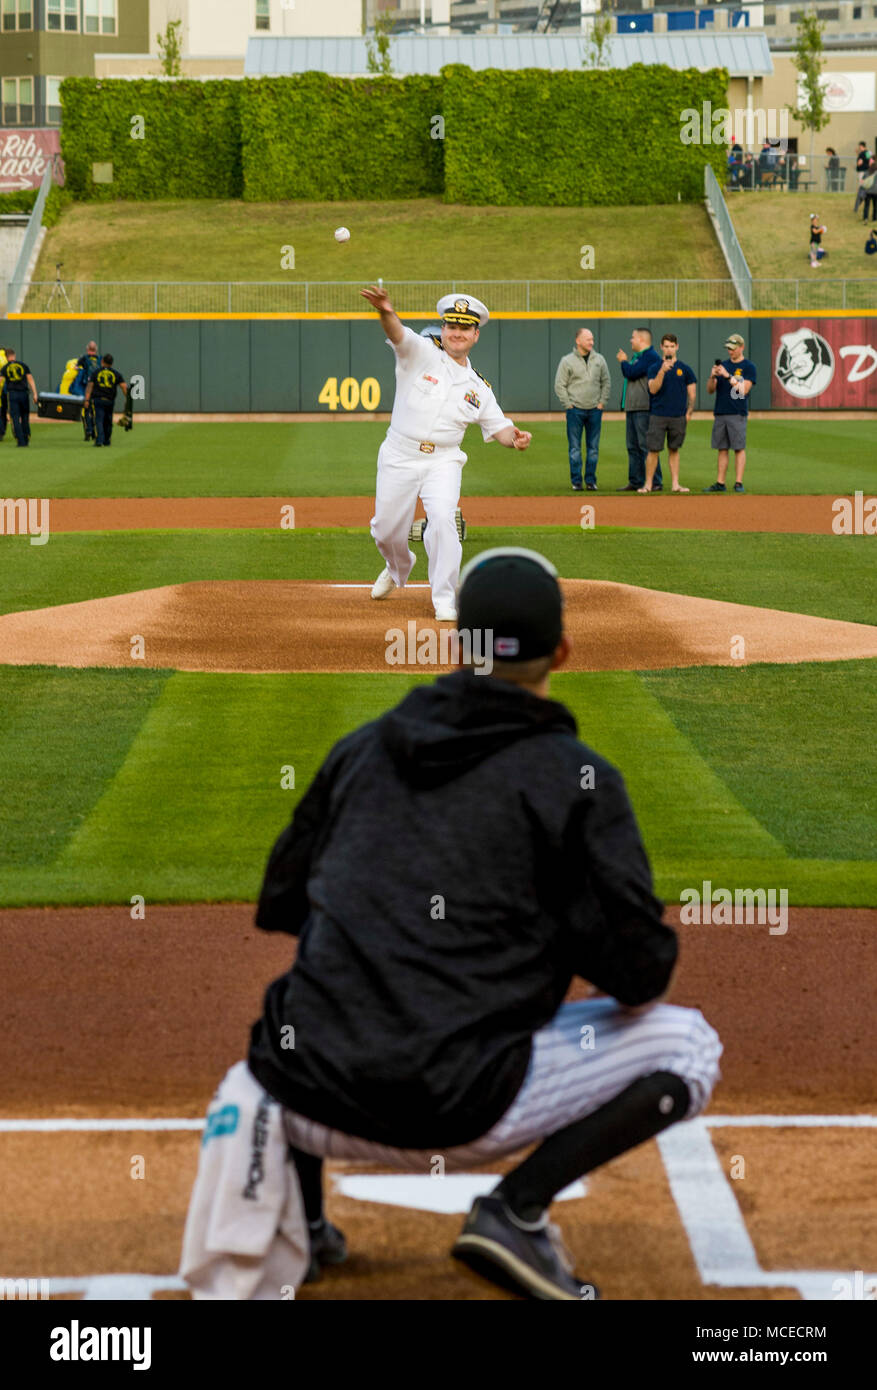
x=342, y=234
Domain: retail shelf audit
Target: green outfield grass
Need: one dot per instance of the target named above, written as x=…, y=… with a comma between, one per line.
x=335, y=458
x=413, y=239
x=828, y=576
x=115, y=783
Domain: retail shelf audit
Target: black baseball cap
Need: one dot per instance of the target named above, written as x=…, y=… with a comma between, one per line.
x=513, y=593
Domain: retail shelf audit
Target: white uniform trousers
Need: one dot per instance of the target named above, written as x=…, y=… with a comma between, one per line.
x=404, y=474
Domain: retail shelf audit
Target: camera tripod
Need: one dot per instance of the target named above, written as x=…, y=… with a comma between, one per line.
x=58, y=291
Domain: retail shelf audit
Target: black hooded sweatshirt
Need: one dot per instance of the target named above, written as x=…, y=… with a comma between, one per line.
x=450, y=869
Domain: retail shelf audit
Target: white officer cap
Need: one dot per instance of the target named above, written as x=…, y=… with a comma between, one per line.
x=464, y=309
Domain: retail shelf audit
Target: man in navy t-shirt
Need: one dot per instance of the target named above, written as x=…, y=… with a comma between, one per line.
x=730, y=382
x=672, y=389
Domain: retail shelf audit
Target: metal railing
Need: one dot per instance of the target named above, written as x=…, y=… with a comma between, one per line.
x=18, y=281
x=418, y=297
x=786, y=171
x=731, y=248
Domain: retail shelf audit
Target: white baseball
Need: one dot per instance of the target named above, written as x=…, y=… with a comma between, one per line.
x=342, y=234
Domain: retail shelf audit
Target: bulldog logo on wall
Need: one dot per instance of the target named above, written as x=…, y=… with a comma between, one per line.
x=804, y=363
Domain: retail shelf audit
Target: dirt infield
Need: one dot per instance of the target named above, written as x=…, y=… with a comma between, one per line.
x=292, y=625
x=93, y=1029
x=685, y=513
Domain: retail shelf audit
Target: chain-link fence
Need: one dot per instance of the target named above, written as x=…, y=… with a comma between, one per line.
x=635, y=297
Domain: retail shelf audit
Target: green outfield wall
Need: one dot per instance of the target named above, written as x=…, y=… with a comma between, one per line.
x=341, y=366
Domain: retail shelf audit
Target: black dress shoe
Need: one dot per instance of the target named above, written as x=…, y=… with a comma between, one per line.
x=629, y=487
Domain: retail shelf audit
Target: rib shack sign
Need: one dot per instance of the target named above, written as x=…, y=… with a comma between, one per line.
x=24, y=157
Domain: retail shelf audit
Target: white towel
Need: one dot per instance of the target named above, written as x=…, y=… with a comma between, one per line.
x=246, y=1236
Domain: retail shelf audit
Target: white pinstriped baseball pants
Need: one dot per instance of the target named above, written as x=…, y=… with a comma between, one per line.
x=572, y=1073
x=404, y=474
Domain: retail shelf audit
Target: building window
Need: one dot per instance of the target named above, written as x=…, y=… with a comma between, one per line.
x=100, y=16
x=63, y=14
x=263, y=14
x=17, y=100
x=17, y=14
x=53, y=100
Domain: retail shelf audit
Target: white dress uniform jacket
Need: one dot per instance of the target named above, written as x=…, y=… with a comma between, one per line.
x=436, y=399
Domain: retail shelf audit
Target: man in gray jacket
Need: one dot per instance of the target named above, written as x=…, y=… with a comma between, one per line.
x=582, y=386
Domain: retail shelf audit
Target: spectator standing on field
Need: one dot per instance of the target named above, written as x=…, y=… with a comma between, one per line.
x=817, y=231
x=673, y=387
x=635, y=402
x=730, y=382
x=582, y=385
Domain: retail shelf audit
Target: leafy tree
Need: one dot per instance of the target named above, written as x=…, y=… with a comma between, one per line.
x=597, y=39
x=170, y=48
x=810, y=111
x=377, y=46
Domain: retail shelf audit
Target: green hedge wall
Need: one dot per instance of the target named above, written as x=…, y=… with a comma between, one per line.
x=528, y=137
x=329, y=138
x=191, y=146
x=56, y=200
x=576, y=138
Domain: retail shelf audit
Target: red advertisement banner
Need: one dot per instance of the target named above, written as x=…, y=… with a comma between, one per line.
x=824, y=363
x=24, y=156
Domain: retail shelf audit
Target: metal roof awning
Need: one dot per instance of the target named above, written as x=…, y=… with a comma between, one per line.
x=744, y=54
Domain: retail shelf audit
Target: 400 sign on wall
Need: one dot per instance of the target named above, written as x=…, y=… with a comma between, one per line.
x=830, y=363
x=350, y=394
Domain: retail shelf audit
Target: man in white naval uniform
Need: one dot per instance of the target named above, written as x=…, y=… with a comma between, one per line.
x=438, y=393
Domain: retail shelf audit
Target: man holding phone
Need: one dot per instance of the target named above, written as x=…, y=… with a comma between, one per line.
x=672, y=391
x=730, y=382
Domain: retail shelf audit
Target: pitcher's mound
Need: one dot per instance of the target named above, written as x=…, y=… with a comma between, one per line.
x=287, y=625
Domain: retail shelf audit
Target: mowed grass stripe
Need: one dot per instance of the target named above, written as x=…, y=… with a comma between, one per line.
x=65, y=735
x=827, y=576
x=198, y=802
x=809, y=774
x=677, y=796
x=334, y=457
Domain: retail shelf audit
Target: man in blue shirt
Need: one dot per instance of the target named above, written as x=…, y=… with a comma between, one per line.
x=672, y=387
x=635, y=402
x=730, y=382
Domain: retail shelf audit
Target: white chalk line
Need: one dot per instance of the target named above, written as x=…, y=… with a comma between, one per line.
x=716, y=1231
x=63, y=1125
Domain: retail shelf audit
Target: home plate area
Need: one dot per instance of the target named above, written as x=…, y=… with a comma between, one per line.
x=726, y=1206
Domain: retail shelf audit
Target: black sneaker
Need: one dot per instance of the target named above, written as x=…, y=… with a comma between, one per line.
x=533, y=1263
x=738, y=487
x=592, y=487
x=577, y=487
x=328, y=1247
x=716, y=487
